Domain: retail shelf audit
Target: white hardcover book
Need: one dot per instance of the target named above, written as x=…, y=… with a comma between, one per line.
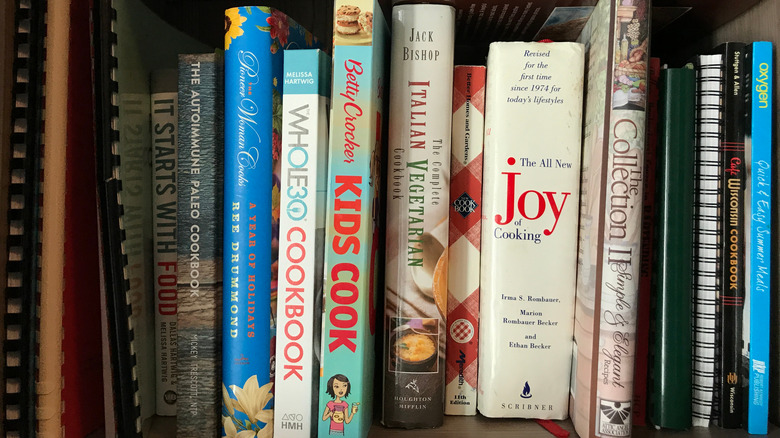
x=165, y=116
x=304, y=170
x=418, y=193
x=531, y=178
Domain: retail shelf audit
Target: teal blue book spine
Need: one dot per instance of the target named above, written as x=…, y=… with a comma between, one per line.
x=352, y=232
x=255, y=38
x=201, y=151
x=306, y=101
x=758, y=90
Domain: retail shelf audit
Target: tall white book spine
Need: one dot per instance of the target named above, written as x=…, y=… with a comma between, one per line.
x=165, y=117
x=531, y=177
x=418, y=194
x=304, y=170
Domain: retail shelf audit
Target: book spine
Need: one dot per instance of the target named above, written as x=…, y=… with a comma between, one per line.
x=246, y=318
x=609, y=262
x=420, y=132
x=533, y=97
x=199, y=239
x=670, y=401
x=302, y=237
x=597, y=35
x=254, y=43
x=164, y=144
x=353, y=217
x=732, y=290
x=639, y=406
x=758, y=90
x=464, y=251
x=707, y=229
x=50, y=332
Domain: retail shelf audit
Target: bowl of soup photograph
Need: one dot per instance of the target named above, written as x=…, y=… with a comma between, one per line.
x=414, y=351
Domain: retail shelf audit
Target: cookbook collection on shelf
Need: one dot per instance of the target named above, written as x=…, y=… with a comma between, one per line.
x=291, y=232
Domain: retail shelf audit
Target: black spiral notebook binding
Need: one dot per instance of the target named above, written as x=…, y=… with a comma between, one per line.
x=127, y=411
x=21, y=290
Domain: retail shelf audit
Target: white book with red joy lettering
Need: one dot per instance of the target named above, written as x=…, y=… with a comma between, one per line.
x=531, y=185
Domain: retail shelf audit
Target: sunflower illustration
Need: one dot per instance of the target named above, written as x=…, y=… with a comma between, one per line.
x=233, y=21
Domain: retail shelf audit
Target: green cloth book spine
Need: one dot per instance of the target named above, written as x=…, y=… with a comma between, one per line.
x=670, y=404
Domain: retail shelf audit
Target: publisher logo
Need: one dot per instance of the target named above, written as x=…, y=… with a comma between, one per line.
x=615, y=418
x=292, y=421
x=526, y=391
x=464, y=205
x=462, y=331
x=169, y=397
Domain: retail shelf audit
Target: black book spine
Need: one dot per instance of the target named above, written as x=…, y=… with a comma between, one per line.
x=732, y=292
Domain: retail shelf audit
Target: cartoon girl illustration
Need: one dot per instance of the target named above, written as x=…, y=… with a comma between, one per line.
x=338, y=410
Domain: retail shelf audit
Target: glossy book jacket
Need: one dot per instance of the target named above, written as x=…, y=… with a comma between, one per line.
x=531, y=183
x=353, y=217
x=418, y=189
x=306, y=101
x=255, y=38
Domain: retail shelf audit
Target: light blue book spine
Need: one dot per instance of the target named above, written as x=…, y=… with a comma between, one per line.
x=760, y=131
x=352, y=232
x=255, y=39
x=304, y=171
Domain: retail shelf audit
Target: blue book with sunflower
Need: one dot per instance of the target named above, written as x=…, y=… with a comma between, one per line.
x=255, y=38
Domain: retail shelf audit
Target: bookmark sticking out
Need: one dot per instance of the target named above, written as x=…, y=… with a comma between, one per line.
x=553, y=427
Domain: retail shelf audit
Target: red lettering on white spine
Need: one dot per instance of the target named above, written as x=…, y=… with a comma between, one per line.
x=294, y=303
x=167, y=295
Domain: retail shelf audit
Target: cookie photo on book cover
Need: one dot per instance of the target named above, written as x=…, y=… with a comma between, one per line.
x=353, y=23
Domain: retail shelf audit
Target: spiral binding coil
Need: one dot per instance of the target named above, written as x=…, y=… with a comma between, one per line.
x=127, y=409
x=23, y=266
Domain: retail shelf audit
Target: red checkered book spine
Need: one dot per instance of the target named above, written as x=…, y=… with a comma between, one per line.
x=468, y=119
